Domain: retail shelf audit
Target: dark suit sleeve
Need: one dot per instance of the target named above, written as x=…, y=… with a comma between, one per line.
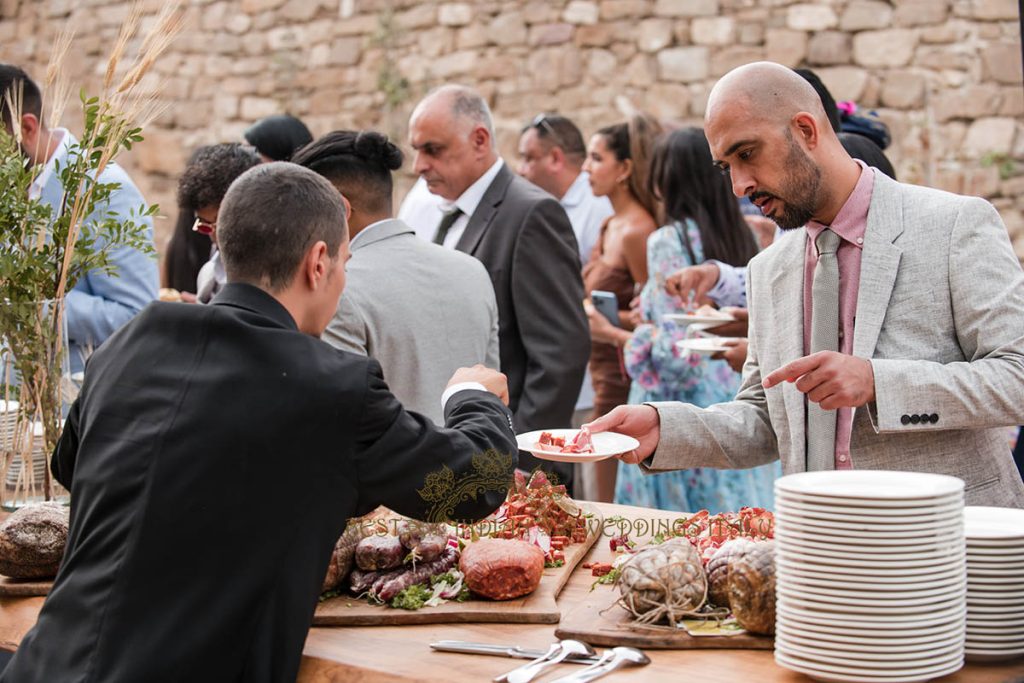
x=547, y=294
x=62, y=464
x=405, y=462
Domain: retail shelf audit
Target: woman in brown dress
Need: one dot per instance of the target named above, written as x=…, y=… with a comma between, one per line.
x=617, y=162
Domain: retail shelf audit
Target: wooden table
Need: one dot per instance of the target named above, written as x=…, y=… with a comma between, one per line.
x=386, y=654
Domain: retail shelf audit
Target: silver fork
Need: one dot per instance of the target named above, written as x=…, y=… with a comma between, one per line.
x=610, y=661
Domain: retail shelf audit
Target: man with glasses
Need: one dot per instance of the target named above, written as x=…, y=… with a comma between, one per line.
x=551, y=156
x=100, y=303
x=202, y=186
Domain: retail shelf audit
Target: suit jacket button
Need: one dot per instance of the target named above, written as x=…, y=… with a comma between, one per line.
x=905, y=419
x=915, y=419
x=933, y=418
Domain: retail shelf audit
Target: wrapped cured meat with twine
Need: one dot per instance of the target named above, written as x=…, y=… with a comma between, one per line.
x=665, y=583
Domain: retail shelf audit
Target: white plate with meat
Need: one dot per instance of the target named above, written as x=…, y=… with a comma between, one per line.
x=575, y=445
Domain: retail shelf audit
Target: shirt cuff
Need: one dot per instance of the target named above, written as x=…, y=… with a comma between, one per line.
x=456, y=388
x=730, y=288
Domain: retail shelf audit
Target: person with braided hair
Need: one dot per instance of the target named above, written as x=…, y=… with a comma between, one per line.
x=419, y=309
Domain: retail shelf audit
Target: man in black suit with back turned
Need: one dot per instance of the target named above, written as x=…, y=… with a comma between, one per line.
x=215, y=453
x=524, y=238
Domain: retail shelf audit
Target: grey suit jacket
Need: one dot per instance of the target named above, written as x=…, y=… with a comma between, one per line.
x=940, y=313
x=420, y=310
x=524, y=239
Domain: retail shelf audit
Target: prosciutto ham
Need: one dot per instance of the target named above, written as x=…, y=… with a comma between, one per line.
x=581, y=443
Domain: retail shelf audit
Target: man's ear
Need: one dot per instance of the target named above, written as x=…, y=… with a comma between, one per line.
x=557, y=156
x=315, y=265
x=480, y=138
x=805, y=128
x=29, y=130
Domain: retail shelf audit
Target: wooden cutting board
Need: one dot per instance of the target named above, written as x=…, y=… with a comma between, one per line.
x=538, y=607
x=599, y=621
x=24, y=587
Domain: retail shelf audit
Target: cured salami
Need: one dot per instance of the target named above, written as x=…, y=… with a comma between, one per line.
x=502, y=569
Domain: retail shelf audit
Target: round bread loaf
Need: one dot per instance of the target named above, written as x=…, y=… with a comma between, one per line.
x=32, y=541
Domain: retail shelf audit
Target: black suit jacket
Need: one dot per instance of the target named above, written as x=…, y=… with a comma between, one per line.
x=213, y=458
x=524, y=238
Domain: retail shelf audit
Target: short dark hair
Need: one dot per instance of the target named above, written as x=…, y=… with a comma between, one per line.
x=359, y=163
x=827, y=101
x=31, y=96
x=278, y=136
x=270, y=217
x=561, y=132
x=685, y=179
x=865, y=149
x=210, y=172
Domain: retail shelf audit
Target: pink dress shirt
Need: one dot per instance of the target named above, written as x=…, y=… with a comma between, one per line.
x=850, y=224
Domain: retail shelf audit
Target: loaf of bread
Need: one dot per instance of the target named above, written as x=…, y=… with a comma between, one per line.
x=32, y=541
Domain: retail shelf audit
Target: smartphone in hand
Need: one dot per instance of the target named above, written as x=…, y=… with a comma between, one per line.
x=607, y=304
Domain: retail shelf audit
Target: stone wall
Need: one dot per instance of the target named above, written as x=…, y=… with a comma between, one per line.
x=945, y=75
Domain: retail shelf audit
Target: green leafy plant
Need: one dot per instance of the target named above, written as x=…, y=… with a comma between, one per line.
x=45, y=250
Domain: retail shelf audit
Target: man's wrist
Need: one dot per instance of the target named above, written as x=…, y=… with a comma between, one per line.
x=456, y=388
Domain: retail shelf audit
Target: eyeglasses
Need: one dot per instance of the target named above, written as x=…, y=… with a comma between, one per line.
x=204, y=227
x=541, y=121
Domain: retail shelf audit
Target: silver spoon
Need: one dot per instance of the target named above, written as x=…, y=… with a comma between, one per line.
x=566, y=649
x=552, y=651
x=610, y=661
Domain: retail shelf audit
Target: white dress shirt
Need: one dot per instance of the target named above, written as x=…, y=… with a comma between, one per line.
x=467, y=203
x=421, y=210
x=35, y=190
x=586, y=213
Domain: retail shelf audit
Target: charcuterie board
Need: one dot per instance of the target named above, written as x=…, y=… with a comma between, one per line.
x=599, y=621
x=24, y=588
x=538, y=607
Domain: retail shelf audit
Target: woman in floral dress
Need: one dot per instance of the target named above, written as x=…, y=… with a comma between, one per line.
x=705, y=223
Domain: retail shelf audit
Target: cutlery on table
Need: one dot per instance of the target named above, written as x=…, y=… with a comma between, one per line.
x=557, y=653
x=610, y=661
x=515, y=651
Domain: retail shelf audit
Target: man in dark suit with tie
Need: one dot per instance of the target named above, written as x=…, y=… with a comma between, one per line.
x=216, y=452
x=524, y=238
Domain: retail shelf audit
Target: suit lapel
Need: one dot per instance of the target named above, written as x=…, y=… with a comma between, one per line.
x=787, y=286
x=879, y=263
x=485, y=211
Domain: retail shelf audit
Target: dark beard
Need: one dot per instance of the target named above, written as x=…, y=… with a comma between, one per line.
x=804, y=183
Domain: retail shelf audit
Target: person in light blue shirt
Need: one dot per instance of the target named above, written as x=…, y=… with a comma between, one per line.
x=99, y=303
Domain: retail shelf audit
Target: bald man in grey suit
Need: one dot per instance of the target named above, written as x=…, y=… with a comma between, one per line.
x=930, y=361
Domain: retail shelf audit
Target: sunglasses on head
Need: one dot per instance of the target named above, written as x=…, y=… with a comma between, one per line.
x=204, y=227
x=541, y=121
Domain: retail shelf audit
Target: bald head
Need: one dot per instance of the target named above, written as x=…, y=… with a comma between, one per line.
x=767, y=92
x=452, y=133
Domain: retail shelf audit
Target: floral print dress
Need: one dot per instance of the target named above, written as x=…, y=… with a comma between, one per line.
x=661, y=372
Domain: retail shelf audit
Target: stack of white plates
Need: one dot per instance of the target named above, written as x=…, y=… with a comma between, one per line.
x=995, y=583
x=870, y=575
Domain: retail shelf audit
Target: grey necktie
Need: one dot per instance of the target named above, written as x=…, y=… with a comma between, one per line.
x=447, y=221
x=821, y=424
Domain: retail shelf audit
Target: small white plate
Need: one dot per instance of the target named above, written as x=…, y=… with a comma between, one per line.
x=936, y=557
x=894, y=485
x=690, y=318
x=797, y=614
x=857, y=606
x=705, y=345
x=889, y=641
x=913, y=506
x=797, y=511
x=989, y=523
x=873, y=581
x=857, y=674
x=861, y=540
x=606, y=445
x=868, y=655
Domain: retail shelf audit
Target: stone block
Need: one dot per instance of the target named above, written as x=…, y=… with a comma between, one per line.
x=454, y=64
x=699, y=100
x=683, y=64
x=432, y=42
x=1013, y=101
x=785, y=46
x=953, y=57
x=713, y=30
x=594, y=36
x=623, y=51
x=300, y=10
x=862, y=15
x=903, y=90
x=844, y=82
x=601, y=65
x=474, y=35
x=538, y=12
x=806, y=17
x=921, y=13
x=886, y=48
x=752, y=33
x=254, y=108
x=990, y=135
x=726, y=59
x=455, y=14
x=1003, y=62
x=419, y=16
x=624, y=9
x=966, y=103
x=260, y=6
x=551, y=34
x=1012, y=187
x=829, y=47
x=667, y=100
x=952, y=31
x=581, y=12
x=238, y=23
x=507, y=29
x=686, y=8
x=357, y=25
x=283, y=38
x=552, y=68
x=499, y=66
x=654, y=34
x=989, y=10
x=982, y=181
x=642, y=71
x=346, y=51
